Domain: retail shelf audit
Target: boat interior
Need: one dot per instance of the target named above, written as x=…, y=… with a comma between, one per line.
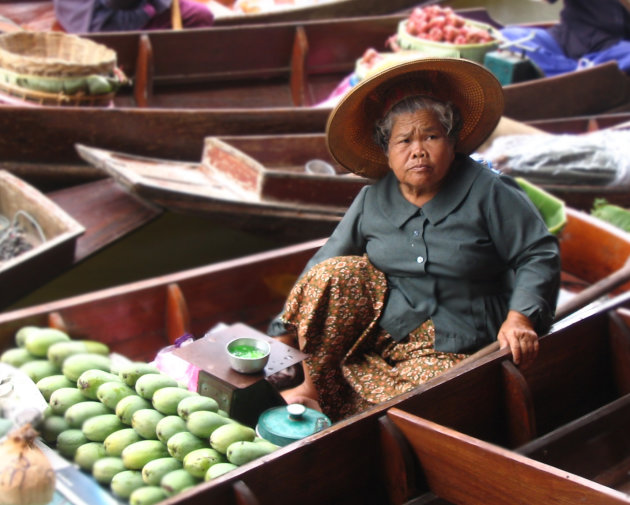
x=524, y=425
x=301, y=65
x=487, y=434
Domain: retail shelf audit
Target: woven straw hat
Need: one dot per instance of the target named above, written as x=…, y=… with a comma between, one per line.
x=473, y=89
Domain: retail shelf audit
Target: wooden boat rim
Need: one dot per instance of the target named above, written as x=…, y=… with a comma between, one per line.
x=226, y=264
x=69, y=227
x=218, y=190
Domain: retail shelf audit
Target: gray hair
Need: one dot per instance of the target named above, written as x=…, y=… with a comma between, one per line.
x=446, y=113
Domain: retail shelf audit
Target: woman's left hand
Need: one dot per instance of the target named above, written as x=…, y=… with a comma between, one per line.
x=518, y=333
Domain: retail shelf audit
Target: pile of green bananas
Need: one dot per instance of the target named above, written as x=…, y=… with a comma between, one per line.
x=135, y=429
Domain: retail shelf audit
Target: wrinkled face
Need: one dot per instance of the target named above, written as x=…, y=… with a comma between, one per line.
x=419, y=152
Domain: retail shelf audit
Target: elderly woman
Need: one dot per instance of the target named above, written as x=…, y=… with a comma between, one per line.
x=436, y=259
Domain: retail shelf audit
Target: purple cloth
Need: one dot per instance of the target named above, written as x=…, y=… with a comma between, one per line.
x=194, y=15
x=83, y=16
x=74, y=15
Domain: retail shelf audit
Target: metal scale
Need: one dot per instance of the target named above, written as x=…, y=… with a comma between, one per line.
x=243, y=396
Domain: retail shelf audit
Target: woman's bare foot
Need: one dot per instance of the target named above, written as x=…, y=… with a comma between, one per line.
x=302, y=394
x=306, y=393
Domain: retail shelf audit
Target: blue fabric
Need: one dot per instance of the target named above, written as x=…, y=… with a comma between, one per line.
x=550, y=57
x=589, y=33
x=619, y=52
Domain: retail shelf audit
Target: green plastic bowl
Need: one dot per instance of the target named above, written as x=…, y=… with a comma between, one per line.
x=474, y=52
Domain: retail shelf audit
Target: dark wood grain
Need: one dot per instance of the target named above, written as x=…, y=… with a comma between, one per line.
x=572, y=377
x=520, y=405
x=107, y=212
x=469, y=471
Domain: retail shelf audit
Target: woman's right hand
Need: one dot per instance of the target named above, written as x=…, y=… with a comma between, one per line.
x=518, y=333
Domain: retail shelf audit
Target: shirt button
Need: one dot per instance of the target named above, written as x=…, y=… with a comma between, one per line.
x=420, y=259
x=416, y=233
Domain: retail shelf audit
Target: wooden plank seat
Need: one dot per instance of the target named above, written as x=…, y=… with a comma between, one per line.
x=595, y=446
x=468, y=471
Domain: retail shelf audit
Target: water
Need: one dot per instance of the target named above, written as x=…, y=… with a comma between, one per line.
x=171, y=243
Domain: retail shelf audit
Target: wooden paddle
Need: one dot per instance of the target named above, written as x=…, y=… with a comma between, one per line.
x=580, y=300
x=176, y=15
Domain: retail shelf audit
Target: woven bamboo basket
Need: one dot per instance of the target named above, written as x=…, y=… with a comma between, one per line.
x=40, y=67
x=54, y=54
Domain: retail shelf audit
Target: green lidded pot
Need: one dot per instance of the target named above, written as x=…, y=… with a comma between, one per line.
x=288, y=423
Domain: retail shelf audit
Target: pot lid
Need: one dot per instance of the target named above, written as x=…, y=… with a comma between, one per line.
x=286, y=424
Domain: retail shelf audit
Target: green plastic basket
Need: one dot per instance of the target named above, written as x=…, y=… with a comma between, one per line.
x=552, y=209
x=474, y=52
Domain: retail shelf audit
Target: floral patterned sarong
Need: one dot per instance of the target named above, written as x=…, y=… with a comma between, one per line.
x=334, y=309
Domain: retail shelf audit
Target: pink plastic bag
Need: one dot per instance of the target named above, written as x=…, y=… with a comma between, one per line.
x=174, y=366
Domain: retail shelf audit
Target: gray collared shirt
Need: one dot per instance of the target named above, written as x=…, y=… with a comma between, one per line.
x=476, y=250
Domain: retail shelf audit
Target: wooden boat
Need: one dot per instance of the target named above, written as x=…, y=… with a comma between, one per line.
x=38, y=143
x=301, y=63
x=40, y=14
x=226, y=182
x=266, y=176
x=580, y=378
x=63, y=227
x=36, y=235
x=485, y=433
x=182, y=94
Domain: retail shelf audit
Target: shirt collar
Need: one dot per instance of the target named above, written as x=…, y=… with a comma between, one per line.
x=399, y=210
